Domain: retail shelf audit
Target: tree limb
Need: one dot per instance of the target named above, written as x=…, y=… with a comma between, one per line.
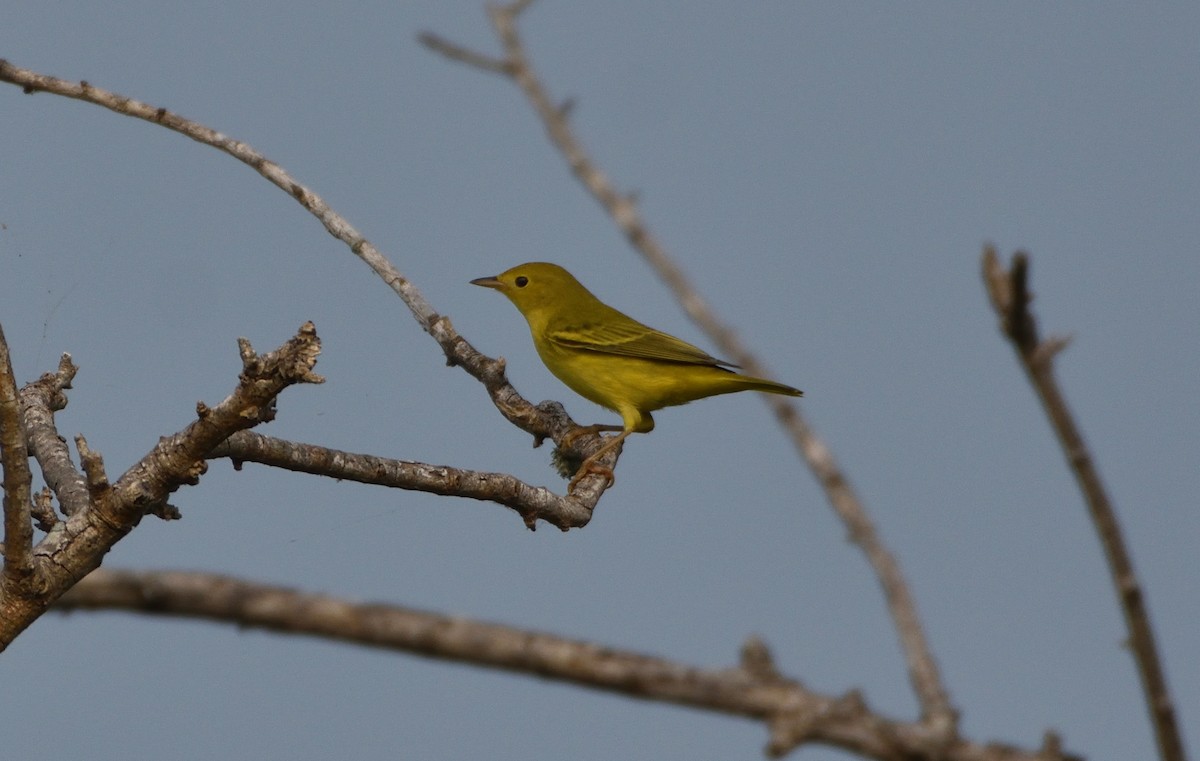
x=39, y=401
x=18, y=480
x=532, y=503
x=1009, y=293
x=793, y=715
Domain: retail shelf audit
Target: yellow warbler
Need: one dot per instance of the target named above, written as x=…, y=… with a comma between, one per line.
x=611, y=358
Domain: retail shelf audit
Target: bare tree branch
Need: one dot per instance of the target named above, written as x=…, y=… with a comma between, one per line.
x=458, y=351
x=44, y=516
x=75, y=547
x=794, y=715
x=1010, y=297
x=464, y=55
x=18, y=480
x=532, y=503
x=922, y=667
x=39, y=401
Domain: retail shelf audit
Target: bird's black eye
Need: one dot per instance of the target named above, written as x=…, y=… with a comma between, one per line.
x=521, y=281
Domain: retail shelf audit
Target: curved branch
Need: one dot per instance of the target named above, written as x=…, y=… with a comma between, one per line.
x=39, y=401
x=1009, y=293
x=458, y=351
x=922, y=667
x=793, y=714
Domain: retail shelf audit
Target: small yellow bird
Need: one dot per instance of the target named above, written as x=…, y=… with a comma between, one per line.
x=612, y=359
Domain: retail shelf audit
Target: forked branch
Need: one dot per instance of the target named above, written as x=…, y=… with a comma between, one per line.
x=110, y=510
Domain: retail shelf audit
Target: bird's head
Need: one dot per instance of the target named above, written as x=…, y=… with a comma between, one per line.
x=539, y=288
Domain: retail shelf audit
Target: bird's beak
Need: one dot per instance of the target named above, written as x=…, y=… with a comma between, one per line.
x=488, y=282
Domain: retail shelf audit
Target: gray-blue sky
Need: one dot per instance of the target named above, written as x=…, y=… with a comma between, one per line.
x=827, y=174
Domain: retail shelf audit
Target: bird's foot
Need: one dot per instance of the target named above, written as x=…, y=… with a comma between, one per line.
x=589, y=468
x=590, y=465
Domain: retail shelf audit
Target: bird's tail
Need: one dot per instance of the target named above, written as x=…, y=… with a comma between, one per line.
x=770, y=387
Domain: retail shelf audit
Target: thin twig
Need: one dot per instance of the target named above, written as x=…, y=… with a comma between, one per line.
x=1010, y=297
x=922, y=666
x=532, y=503
x=337, y=226
x=463, y=55
x=794, y=715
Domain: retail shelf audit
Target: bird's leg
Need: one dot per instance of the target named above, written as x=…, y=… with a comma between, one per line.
x=589, y=465
x=584, y=430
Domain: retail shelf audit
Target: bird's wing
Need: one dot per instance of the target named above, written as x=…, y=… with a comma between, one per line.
x=630, y=338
